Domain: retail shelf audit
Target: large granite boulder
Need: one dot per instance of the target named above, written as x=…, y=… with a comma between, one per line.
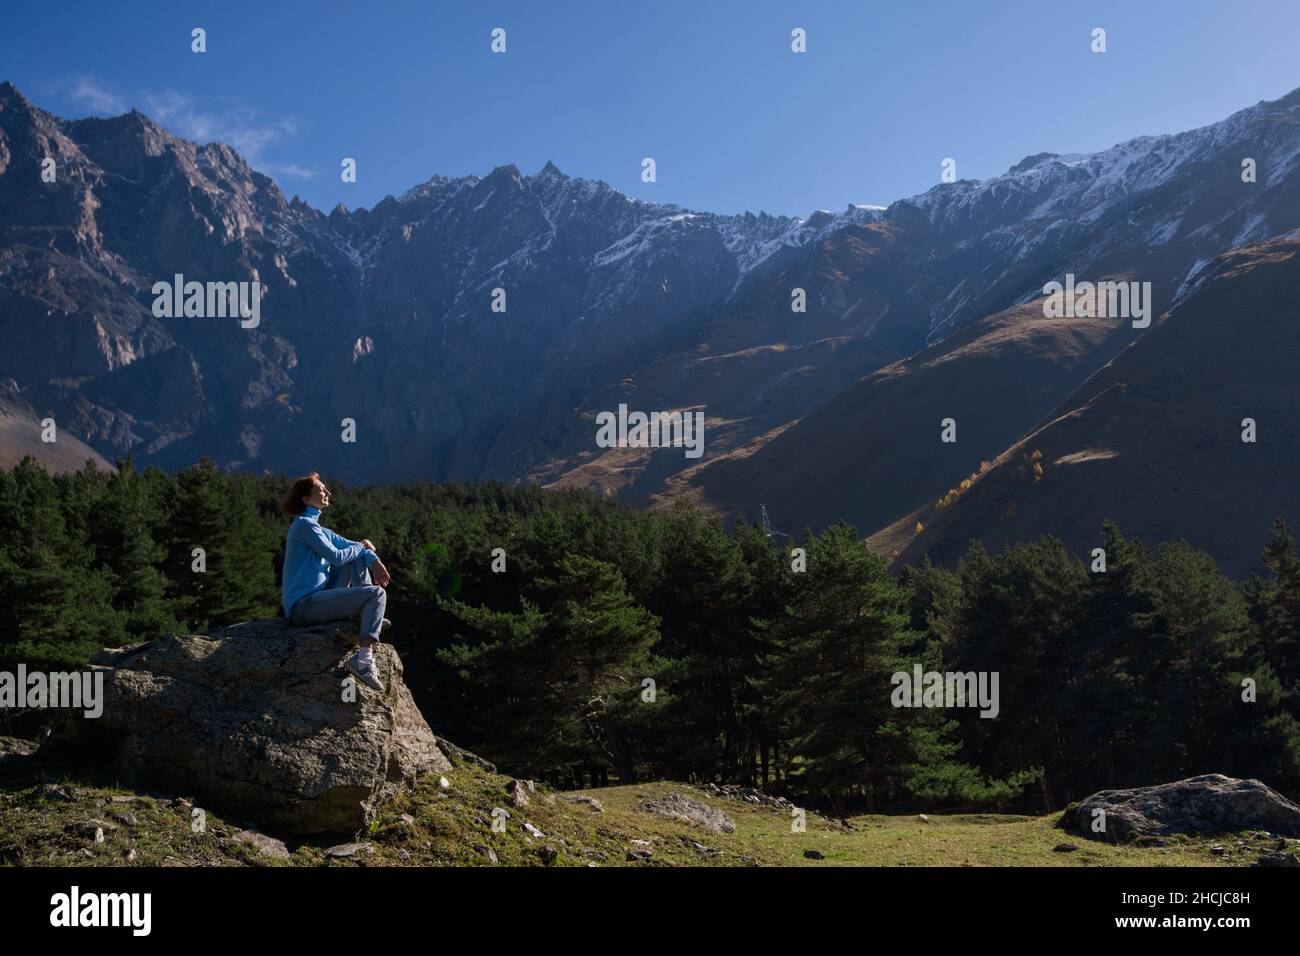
x=1210, y=803
x=255, y=721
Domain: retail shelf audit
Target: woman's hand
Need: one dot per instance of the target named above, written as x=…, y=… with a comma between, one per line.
x=365, y=543
x=379, y=574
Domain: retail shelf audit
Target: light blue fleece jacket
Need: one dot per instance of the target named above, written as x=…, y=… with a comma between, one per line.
x=310, y=551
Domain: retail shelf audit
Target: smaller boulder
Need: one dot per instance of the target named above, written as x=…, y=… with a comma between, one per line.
x=591, y=803
x=678, y=806
x=266, y=846
x=14, y=748
x=518, y=793
x=349, y=851
x=94, y=829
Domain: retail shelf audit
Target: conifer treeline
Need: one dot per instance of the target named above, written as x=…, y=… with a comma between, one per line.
x=626, y=644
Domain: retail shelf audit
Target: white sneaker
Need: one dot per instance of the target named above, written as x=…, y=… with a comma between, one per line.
x=364, y=671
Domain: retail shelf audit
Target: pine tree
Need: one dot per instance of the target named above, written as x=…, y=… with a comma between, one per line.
x=55, y=606
x=1267, y=739
x=1020, y=617
x=562, y=680
x=837, y=647
x=233, y=579
x=705, y=599
x=1275, y=610
x=124, y=527
x=770, y=575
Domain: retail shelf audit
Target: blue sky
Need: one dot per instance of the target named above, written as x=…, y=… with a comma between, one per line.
x=709, y=88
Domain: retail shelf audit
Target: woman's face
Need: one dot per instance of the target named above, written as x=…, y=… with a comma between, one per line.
x=320, y=496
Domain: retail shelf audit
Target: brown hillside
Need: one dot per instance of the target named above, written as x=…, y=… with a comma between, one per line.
x=20, y=435
x=872, y=454
x=1154, y=440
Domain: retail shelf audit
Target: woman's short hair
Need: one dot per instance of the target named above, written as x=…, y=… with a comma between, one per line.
x=293, y=503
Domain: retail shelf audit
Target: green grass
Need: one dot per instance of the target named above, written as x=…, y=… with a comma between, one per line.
x=36, y=830
x=430, y=826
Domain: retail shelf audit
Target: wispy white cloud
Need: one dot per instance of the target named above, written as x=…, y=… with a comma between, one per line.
x=92, y=96
x=288, y=169
x=239, y=126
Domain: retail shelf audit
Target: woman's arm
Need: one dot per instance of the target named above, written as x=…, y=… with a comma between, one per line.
x=323, y=542
x=341, y=542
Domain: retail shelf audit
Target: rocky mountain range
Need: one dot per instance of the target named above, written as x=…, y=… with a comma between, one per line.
x=475, y=327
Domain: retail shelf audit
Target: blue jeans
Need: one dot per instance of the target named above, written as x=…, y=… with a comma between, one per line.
x=347, y=594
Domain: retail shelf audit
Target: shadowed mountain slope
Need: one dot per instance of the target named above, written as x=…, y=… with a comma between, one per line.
x=1153, y=441
x=873, y=452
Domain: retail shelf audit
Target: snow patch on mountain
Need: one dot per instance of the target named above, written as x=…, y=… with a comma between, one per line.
x=1252, y=230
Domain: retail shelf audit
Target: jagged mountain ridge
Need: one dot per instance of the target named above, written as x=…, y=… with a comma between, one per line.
x=397, y=294
x=383, y=315
x=1155, y=209
x=1150, y=205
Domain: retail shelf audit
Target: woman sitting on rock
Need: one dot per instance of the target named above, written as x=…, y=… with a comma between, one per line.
x=328, y=578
